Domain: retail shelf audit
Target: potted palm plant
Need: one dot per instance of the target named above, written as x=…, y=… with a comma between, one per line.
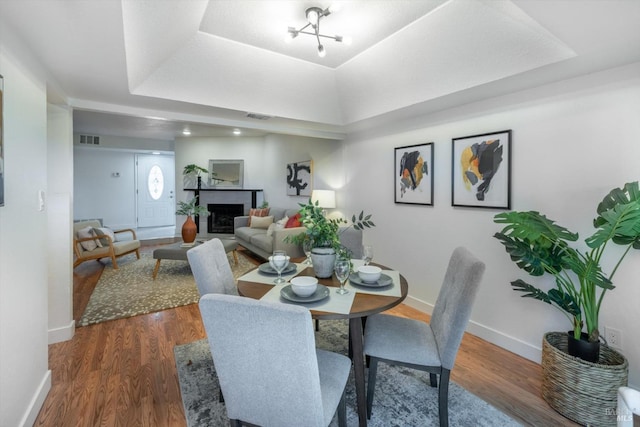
x=190, y=209
x=540, y=246
x=324, y=234
x=192, y=170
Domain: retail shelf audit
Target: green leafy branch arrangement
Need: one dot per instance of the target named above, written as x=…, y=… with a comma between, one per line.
x=324, y=232
x=190, y=208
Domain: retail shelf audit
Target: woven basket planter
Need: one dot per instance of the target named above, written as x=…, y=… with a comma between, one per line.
x=582, y=391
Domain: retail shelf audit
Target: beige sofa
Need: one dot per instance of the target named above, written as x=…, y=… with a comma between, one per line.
x=110, y=248
x=257, y=241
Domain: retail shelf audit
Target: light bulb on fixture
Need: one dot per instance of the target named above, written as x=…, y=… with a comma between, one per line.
x=186, y=132
x=314, y=15
x=236, y=132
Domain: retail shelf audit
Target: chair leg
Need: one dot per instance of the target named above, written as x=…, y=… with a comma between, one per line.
x=434, y=380
x=373, y=368
x=443, y=398
x=342, y=411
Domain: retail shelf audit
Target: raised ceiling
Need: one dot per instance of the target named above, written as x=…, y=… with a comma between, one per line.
x=211, y=62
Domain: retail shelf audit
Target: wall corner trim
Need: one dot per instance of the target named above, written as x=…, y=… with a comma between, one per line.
x=64, y=333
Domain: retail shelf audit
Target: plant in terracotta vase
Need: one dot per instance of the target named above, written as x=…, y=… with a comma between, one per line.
x=190, y=209
x=324, y=234
x=540, y=246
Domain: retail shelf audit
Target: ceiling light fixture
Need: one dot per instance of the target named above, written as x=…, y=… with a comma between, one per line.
x=237, y=132
x=314, y=15
x=186, y=132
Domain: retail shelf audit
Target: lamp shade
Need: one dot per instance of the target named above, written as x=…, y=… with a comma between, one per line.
x=326, y=198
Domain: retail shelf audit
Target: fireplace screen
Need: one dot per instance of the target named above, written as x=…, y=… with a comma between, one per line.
x=221, y=218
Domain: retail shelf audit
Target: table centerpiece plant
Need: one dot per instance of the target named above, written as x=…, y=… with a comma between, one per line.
x=190, y=209
x=539, y=246
x=324, y=235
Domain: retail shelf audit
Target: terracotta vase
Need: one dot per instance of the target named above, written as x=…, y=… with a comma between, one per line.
x=189, y=230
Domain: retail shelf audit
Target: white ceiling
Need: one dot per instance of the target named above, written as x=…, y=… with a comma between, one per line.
x=209, y=62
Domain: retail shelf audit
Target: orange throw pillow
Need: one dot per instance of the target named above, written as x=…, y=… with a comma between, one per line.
x=294, y=221
x=257, y=212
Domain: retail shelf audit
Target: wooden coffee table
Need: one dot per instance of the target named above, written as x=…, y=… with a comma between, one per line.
x=177, y=251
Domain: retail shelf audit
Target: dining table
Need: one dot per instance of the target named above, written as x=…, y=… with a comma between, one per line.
x=360, y=302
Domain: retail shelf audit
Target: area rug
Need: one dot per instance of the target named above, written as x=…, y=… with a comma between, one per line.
x=130, y=290
x=403, y=396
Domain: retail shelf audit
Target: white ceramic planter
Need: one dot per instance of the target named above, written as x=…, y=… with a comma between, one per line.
x=323, y=261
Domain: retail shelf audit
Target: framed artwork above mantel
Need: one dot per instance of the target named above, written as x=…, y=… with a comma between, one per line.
x=226, y=173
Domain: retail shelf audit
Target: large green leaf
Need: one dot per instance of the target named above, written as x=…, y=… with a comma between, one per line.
x=534, y=259
x=618, y=218
x=563, y=300
x=534, y=227
x=589, y=271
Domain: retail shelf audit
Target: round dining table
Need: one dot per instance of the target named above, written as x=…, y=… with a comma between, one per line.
x=364, y=304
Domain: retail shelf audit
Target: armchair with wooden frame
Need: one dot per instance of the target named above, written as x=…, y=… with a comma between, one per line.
x=97, y=246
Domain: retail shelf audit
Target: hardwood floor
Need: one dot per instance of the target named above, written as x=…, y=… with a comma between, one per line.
x=123, y=373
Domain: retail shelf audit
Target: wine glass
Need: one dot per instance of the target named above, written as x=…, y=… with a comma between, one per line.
x=342, y=268
x=367, y=254
x=279, y=261
x=306, y=247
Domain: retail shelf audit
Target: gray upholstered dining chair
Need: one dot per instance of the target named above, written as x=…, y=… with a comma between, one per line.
x=211, y=269
x=433, y=346
x=269, y=369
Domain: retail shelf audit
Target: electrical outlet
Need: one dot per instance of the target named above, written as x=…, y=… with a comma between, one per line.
x=613, y=337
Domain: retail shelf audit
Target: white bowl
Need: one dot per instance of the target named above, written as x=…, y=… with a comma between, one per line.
x=304, y=286
x=369, y=273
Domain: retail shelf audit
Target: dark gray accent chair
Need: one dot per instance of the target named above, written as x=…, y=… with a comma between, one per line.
x=211, y=269
x=270, y=372
x=433, y=346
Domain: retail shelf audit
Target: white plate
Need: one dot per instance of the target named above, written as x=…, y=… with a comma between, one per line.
x=383, y=281
x=267, y=269
x=321, y=293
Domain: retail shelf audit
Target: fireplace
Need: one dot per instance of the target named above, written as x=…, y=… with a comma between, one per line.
x=221, y=218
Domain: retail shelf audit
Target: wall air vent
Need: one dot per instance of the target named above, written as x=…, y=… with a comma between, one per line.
x=89, y=140
x=258, y=116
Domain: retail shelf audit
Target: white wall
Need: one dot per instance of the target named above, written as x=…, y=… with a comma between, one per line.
x=24, y=377
x=265, y=161
x=572, y=142
x=96, y=192
x=59, y=228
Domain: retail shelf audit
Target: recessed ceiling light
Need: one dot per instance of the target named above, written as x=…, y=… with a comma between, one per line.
x=157, y=153
x=237, y=132
x=186, y=132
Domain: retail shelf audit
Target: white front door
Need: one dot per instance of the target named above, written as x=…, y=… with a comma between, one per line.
x=155, y=189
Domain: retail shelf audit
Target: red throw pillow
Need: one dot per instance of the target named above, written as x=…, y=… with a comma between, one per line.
x=257, y=212
x=294, y=221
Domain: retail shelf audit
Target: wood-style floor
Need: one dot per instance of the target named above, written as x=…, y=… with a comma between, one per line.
x=122, y=372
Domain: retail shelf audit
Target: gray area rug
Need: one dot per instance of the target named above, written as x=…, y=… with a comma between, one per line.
x=131, y=290
x=403, y=396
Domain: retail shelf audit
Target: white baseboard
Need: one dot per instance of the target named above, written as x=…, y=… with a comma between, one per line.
x=512, y=344
x=36, y=403
x=64, y=333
